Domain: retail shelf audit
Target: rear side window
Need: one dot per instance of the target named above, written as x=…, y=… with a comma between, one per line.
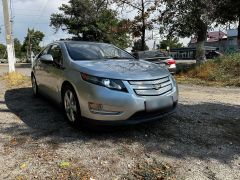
x=151, y=54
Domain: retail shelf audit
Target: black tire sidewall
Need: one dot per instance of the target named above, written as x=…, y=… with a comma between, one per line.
x=34, y=93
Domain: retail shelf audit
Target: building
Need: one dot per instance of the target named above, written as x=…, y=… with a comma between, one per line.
x=216, y=39
x=189, y=52
x=232, y=39
x=220, y=40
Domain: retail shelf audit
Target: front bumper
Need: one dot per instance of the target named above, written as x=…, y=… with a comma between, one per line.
x=137, y=118
x=130, y=107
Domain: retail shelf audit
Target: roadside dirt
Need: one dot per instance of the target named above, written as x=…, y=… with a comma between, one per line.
x=200, y=141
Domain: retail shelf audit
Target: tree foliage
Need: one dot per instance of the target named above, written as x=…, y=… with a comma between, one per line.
x=18, y=48
x=171, y=42
x=144, y=18
x=138, y=46
x=227, y=11
x=91, y=20
x=2, y=51
x=187, y=18
x=33, y=39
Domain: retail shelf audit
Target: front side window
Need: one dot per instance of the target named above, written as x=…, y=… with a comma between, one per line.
x=95, y=51
x=56, y=53
x=44, y=51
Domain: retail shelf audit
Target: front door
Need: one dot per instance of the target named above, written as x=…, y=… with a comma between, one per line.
x=55, y=72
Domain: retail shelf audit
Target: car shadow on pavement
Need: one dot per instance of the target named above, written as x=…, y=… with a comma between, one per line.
x=203, y=131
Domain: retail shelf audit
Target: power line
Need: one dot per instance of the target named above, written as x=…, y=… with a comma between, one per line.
x=36, y=15
x=35, y=10
x=42, y=11
x=22, y=22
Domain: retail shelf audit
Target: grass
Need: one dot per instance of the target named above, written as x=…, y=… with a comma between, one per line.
x=15, y=79
x=223, y=71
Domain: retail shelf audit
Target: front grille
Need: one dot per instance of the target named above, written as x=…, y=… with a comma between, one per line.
x=156, y=87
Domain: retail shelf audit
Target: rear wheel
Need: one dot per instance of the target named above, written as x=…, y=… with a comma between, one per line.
x=71, y=105
x=34, y=85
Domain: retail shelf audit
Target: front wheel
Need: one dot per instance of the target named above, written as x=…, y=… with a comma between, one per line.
x=71, y=105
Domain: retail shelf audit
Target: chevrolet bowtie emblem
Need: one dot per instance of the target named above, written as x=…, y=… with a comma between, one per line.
x=157, y=86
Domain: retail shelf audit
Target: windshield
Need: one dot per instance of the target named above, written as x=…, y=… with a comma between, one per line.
x=95, y=51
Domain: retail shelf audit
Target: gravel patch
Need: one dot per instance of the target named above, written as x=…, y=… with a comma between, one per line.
x=200, y=141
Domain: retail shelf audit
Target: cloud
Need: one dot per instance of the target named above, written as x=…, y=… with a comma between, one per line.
x=33, y=14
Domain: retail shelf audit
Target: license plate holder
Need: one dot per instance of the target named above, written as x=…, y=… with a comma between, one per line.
x=158, y=103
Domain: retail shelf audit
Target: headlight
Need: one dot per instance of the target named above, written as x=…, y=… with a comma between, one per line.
x=109, y=83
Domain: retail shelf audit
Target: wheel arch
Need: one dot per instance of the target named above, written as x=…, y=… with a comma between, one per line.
x=64, y=85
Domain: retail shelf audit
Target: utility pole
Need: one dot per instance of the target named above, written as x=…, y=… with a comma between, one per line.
x=9, y=38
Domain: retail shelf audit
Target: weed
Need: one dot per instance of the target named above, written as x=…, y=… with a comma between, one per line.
x=15, y=79
x=151, y=171
x=222, y=71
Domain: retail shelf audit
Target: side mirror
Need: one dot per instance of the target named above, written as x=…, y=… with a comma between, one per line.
x=47, y=58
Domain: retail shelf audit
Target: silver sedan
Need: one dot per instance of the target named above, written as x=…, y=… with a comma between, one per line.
x=102, y=84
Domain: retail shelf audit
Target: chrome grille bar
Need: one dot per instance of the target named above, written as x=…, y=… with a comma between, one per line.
x=152, y=87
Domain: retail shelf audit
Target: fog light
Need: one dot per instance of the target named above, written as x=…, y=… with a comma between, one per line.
x=95, y=107
x=99, y=109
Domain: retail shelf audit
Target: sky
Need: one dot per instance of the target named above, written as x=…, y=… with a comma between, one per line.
x=32, y=14
x=36, y=14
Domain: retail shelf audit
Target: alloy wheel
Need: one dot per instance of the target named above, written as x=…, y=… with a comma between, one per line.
x=70, y=106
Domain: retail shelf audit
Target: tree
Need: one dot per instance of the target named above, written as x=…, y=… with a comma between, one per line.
x=2, y=51
x=171, y=42
x=227, y=11
x=144, y=18
x=138, y=46
x=91, y=20
x=18, y=48
x=32, y=41
x=187, y=18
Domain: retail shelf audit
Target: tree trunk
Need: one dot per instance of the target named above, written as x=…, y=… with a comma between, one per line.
x=143, y=28
x=201, y=38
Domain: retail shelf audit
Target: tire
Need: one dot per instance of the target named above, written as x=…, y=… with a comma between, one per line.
x=71, y=106
x=34, y=86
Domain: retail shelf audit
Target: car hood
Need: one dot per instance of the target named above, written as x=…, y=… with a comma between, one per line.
x=121, y=69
